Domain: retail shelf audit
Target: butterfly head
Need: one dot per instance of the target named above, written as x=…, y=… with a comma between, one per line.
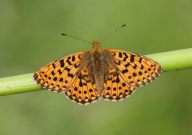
x=95, y=44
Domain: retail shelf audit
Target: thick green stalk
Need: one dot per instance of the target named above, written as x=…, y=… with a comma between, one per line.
x=18, y=84
x=172, y=60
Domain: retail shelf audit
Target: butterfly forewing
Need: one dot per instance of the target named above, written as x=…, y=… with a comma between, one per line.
x=60, y=74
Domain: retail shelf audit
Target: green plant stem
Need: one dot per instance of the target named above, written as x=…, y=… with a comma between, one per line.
x=172, y=60
x=18, y=84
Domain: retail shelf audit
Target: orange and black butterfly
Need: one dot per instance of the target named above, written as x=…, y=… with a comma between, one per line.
x=86, y=76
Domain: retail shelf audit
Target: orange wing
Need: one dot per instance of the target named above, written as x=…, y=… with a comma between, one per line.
x=60, y=74
x=115, y=87
x=70, y=76
x=83, y=90
x=130, y=71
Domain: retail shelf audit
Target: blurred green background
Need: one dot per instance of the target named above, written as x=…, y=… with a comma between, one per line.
x=30, y=37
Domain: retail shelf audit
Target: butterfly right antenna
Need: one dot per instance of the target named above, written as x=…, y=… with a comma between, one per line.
x=110, y=34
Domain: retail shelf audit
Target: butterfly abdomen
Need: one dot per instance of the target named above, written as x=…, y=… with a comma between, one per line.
x=98, y=67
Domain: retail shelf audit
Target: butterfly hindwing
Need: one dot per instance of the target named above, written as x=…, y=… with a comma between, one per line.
x=83, y=90
x=116, y=88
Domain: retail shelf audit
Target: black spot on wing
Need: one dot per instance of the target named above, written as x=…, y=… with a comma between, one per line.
x=53, y=65
x=59, y=71
x=124, y=71
x=68, y=61
x=73, y=58
x=140, y=59
x=68, y=69
x=120, y=55
x=62, y=64
x=132, y=58
x=126, y=56
x=61, y=79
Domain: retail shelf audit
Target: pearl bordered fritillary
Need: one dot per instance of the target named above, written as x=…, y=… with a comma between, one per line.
x=86, y=76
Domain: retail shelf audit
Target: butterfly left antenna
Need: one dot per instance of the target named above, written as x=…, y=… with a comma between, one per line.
x=64, y=34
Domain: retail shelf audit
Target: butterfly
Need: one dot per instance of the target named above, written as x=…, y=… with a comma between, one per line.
x=85, y=77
